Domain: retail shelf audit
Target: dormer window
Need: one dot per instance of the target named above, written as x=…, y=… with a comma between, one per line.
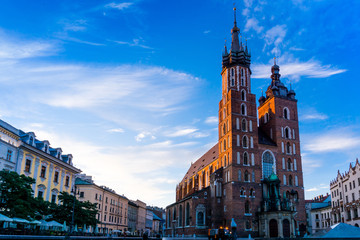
x=46, y=148
x=58, y=156
x=31, y=141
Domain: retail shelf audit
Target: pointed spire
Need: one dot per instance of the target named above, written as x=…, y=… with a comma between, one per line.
x=225, y=49
x=235, y=36
x=274, y=61
x=246, y=48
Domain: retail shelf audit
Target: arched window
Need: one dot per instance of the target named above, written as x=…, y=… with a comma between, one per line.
x=237, y=123
x=284, y=180
x=268, y=161
x=239, y=175
x=246, y=176
x=243, y=109
x=286, y=113
x=232, y=72
x=242, y=191
x=287, y=133
x=224, y=144
x=224, y=113
x=289, y=165
x=245, y=142
x=253, y=176
x=31, y=141
x=243, y=125
x=247, y=207
x=174, y=214
x=180, y=216
x=243, y=95
x=290, y=180
x=187, y=214
x=266, y=117
x=288, y=148
x=200, y=219
x=296, y=181
x=252, y=192
x=296, y=196
x=224, y=128
x=246, y=158
x=225, y=161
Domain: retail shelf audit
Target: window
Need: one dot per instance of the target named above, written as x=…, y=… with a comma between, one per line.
x=243, y=95
x=288, y=148
x=252, y=193
x=266, y=117
x=56, y=177
x=246, y=158
x=290, y=180
x=242, y=192
x=286, y=113
x=53, y=198
x=187, y=214
x=268, y=163
x=289, y=167
x=40, y=194
x=247, y=207
x=45, y=148
x=243, y=125
x=67, y=179
x=350, y=186
x=253, y=176
x=43, y=172
x=31, y=141
x=104, y=218
x=345, y=188
x=237, y=123
x=224, y=144
x=245, y=142
x=81, y=194
x=96, y=196
x=58, y=156
x=27, y=165
x=287, y=133
x=243, y=109
x=246, y=176
x=284, y=180
x=106, y=199
x=353, y=196
x=9, y=155
x=200, y=219
x=239, y=175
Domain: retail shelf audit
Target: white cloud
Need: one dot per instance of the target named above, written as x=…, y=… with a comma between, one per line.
x=312, y=189
x=253, y=23
x=136, y=42
x=275, y=35
x=212, y=120
x=312, y=114
x=116, y=130
x=248, y=3
x=119, y=6
x=74, y=26
x=181, y=132
x=206, y=31
x=15, y=48
x=330, y=141
x=141, y=136
x=296, y=69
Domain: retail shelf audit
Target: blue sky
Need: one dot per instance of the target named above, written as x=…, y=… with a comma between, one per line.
x=131, y=88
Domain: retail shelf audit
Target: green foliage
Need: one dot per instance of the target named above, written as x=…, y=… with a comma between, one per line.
x=17, y=200
x=85, y=212
x=16, y=194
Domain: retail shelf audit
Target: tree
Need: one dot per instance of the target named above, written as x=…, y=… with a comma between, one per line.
x=85, y=212
x=16, y=198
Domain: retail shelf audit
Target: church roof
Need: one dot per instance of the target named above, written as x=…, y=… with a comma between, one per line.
x=202, y=162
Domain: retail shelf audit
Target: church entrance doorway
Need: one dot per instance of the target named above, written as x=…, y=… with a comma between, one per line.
x=273, y=227
x=286, y=228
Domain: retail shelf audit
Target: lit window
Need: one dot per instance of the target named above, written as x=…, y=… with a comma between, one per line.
x=268, y=163
x=43, y=172
x=27, y=165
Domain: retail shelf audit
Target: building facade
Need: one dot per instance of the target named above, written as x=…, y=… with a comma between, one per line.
x=318, y=214
x=253, y=175
x=52, y=170
x=141, y=217
x=132, y=216
x=345, y=195
x=112, y=207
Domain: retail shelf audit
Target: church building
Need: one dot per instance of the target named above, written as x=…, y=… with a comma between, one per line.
x=252, y=178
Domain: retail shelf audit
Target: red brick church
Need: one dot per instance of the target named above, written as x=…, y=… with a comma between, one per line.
x=252, y=178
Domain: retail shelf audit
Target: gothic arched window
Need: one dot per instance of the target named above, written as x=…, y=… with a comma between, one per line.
x=268, y=163
x=243, y=125
x=180, y=215
x=246, y=158
x=287, y=133
x=245, y=142
x=286, y=113
x=243, y=95
x=288, y=148
x=200, y=219
x=243, y=109
x=289, y=167
x=246, y=176
x=247, y=207
x=252, y=192
x=224, y=144
x=187, y=214
x=290, y=180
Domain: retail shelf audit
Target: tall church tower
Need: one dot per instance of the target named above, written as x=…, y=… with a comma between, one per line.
x=238, y=136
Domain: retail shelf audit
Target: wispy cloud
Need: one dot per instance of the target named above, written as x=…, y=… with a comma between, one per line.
x=296, y=69
x=116, y=130
x=330, y=141
x=312, y=114
x=253, y=23
x=15, y=48
x=74, y=26
x=136, y=42
x=181, y=132
x=212, y=120
x=119, y=6
x=275, y=36
x=206, y=31
x=141, y=136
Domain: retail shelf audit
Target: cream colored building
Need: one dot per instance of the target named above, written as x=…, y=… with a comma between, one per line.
x=345, y=195
x=141, y=216
x=52, y=170
x=112, y=207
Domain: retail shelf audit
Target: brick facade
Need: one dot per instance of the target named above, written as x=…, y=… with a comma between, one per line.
x=231, y=180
